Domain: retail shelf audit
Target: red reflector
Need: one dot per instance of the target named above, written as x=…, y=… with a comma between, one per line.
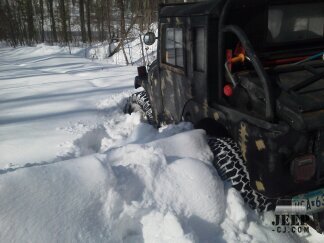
x=303, y=168
x=228, y=90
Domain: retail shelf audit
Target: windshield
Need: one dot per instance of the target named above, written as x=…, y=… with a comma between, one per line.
x=294, y=23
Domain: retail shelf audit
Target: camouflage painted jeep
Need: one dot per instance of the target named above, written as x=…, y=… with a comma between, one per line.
x=251, y=73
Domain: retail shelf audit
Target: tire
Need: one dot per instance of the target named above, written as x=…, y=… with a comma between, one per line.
x=231, y=167
x=140, y=102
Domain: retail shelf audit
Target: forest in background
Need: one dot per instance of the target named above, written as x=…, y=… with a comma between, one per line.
x=75, y=23
x=28, y=22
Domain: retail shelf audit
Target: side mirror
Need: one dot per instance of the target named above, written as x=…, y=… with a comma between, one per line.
x=149, y=38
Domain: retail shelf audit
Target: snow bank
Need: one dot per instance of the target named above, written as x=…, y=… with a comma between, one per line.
x=135, y=193
x=56, y=203
x=108, y=196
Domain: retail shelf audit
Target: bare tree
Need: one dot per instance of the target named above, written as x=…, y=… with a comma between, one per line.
x=30, y=21
x=63, y=21
x=41, y=7
x=7, y=23
x=121, y=7
x=99, y=11
x=82, y=22
x=52, y=18
x=108, y=7
x=88, y=4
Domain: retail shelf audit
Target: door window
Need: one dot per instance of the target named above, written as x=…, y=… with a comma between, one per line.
x=199, y=49
x=174, y=47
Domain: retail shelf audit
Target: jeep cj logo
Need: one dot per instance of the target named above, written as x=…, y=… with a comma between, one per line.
x=290, y=221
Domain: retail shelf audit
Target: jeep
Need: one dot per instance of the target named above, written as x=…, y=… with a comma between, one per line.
x=250, y=73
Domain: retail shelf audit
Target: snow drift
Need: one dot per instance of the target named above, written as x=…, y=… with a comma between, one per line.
x=134, y=193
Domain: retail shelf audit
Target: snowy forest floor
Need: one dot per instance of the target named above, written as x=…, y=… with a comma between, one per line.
x=74, y=168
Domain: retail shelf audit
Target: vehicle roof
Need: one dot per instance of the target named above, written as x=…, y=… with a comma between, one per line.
x=214, y=7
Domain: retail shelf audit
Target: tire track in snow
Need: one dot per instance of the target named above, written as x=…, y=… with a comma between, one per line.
x=116, y=129
x=28, y=165
x=109, y=112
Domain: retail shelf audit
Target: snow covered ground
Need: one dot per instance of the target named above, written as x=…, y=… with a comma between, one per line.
x=74, y=168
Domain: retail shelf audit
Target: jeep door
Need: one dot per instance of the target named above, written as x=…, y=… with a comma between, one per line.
x=174, y=83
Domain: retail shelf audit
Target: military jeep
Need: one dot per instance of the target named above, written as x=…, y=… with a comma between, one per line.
x=251, y=73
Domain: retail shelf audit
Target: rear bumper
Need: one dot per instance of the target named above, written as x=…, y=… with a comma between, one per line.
x=269, y=155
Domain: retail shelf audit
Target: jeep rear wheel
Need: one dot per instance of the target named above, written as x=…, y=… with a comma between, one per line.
x=140, y=102
x=231, y=167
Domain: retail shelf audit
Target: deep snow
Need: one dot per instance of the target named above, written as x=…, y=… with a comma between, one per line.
x=74, y=168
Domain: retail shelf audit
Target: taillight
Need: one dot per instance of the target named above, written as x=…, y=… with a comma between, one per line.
x=303, y=168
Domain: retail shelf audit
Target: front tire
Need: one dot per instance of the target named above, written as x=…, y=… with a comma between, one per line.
x=140, y=102
x=231, y=167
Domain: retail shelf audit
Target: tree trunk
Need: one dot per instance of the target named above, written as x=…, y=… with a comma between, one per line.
x=124, y=52
x=82, y=22
x=63, y=20
x=21, y=24
x=88, y=20
x=10, y=19
x=30, y=22
x=102, y=20
x=121, y=7
x=53, y=27
x=41, y=5
x=108, y=19
x=68, y=16
x=98, y=16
